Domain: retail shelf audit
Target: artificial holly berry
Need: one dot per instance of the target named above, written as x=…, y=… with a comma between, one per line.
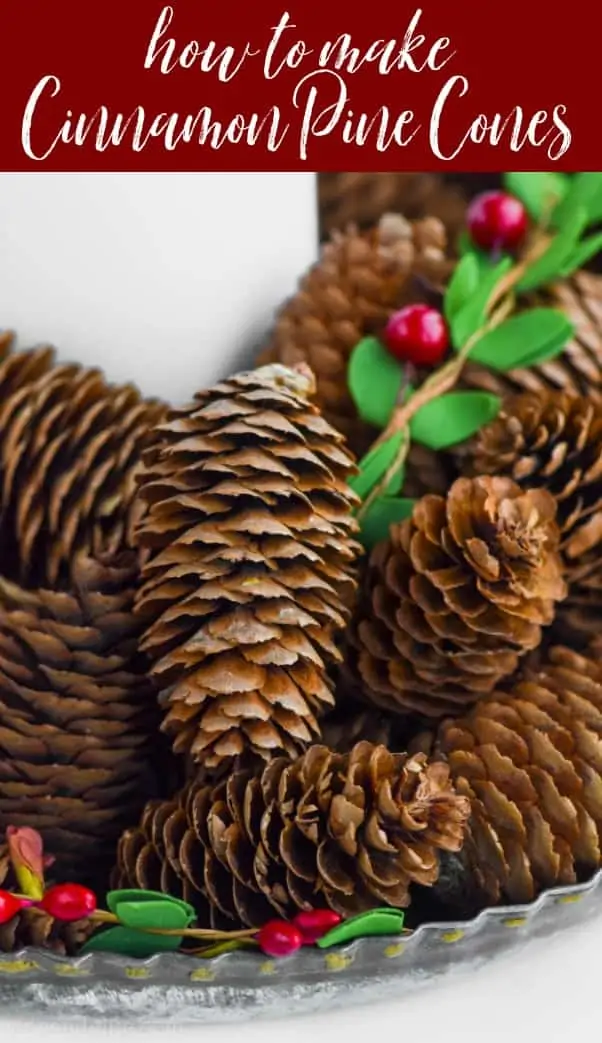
x=10, y=905
x=279, y=938
x=496, y=221
x=68, y=902
x=417, y=334
x=315, y=923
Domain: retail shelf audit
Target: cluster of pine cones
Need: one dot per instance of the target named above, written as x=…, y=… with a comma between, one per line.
x=204, y=687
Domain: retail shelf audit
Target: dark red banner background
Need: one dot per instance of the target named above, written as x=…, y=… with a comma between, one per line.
x=526, y=78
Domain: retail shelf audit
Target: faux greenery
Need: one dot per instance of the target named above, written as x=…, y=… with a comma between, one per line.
x=484, y=308
x=375, y=922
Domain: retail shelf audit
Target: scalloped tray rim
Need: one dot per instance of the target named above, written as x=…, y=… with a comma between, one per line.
x=28, y=962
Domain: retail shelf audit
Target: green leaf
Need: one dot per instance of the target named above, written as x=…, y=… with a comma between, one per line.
x=462, y=285
x=127, y=942
x=375, y=465
x=159, y=915
x=524, y=340
x=582, y=253
x=473, y=313
x=115, y=898
x=585, y=192
x=548, y=267
x=380, y=516
x=375, y=379
x=452, y=418
x=539, y=192
x=375, y=922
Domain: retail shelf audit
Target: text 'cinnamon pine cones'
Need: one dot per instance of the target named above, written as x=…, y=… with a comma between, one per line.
x=70, y=448
x=530, y=763
x=78, y=718
x=359, y=280
x=455, y=596
x=554, y=441
x=33, y=926
x=350, y=831
x=249, y=526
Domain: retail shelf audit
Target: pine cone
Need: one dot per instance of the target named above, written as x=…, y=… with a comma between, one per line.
x=529, y=763
x=35, y=927
x=554, y=441
x=70, y=447
x=579, y=368
x=428, y=472
x=251, y=575
x=350, y=831
x=358, y=282
x=362, y=199
x=351, y=722
x=455, y=596
x=78, y=718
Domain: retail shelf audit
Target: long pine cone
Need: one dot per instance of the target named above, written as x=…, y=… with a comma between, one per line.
x=359, y=280
x=70, y=449
x=553, y=440
x=529, y=763
x=350, y=831
x=455, y=596
x=249, y=527
x=78, y=716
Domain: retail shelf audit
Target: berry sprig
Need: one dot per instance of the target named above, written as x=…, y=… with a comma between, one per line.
x=68, y=903
x=142, y=923
x=515, y=242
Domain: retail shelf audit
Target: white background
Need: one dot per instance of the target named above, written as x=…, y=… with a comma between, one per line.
x=166, y=279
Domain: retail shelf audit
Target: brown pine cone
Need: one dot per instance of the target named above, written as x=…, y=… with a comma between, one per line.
x=529, y=763
x=350, y=831
x=251, y=573
x=70, y=448
x=428, y=472
x=35, y=927
x=579, y=368
x=455, y=596
x=351, y=722
x=358, y=282
x=362, y=199
x=553, y=440
x=78, y=717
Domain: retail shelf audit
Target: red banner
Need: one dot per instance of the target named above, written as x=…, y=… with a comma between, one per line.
x=317, y=84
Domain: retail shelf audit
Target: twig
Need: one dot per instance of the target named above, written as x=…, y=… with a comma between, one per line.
x=102, y=917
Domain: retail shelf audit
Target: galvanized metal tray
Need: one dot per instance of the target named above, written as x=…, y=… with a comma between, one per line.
x=240, y=985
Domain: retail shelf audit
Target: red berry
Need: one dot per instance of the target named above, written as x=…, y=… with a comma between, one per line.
x=314, y=923
x=497, y=221
x=69, y=902
x=279, y=938
x=10, y=905
x=417, y=334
